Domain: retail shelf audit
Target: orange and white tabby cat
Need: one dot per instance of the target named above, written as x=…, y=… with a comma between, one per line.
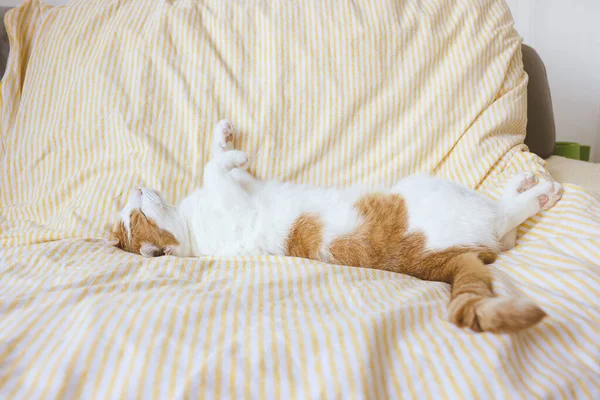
x=429, y=228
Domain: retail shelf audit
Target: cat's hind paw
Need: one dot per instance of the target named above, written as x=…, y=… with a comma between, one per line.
x=528, y=180
x=550, y=194
x=519, y=183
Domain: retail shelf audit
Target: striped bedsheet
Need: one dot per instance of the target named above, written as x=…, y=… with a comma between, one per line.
x=103, y=95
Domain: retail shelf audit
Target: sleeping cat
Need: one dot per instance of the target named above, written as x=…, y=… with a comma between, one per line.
x=422, y=226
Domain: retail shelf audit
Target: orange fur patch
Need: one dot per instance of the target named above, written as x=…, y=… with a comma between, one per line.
x=143, y=230
x=305, y=238
x=382, y=241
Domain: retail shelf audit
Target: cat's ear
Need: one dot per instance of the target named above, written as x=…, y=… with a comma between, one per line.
x=112, y=240
x=149, y=250
x=168, y=250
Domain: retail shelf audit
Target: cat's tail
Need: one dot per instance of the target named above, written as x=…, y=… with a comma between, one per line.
x=475, y=306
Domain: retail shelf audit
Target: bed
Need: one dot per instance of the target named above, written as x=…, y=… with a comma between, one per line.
x=102, y=95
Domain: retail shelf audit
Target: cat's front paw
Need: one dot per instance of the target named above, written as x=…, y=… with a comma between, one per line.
x=223, y=137
x=235, y=159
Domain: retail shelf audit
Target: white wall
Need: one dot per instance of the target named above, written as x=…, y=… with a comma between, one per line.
x=566, y=33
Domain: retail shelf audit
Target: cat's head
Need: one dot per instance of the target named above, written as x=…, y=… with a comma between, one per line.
x=149, y=226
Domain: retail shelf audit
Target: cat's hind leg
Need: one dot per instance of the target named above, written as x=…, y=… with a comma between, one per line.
x=515, y=185
x=523, y=198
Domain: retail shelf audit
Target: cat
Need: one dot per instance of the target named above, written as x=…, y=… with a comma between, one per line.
x=423, y=226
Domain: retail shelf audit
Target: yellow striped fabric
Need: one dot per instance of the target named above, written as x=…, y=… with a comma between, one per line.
x=100, y=96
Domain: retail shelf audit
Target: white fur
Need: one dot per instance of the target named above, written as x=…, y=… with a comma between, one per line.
x=236, y=214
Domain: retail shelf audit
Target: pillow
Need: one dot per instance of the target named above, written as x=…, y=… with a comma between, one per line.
x=100, y=96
